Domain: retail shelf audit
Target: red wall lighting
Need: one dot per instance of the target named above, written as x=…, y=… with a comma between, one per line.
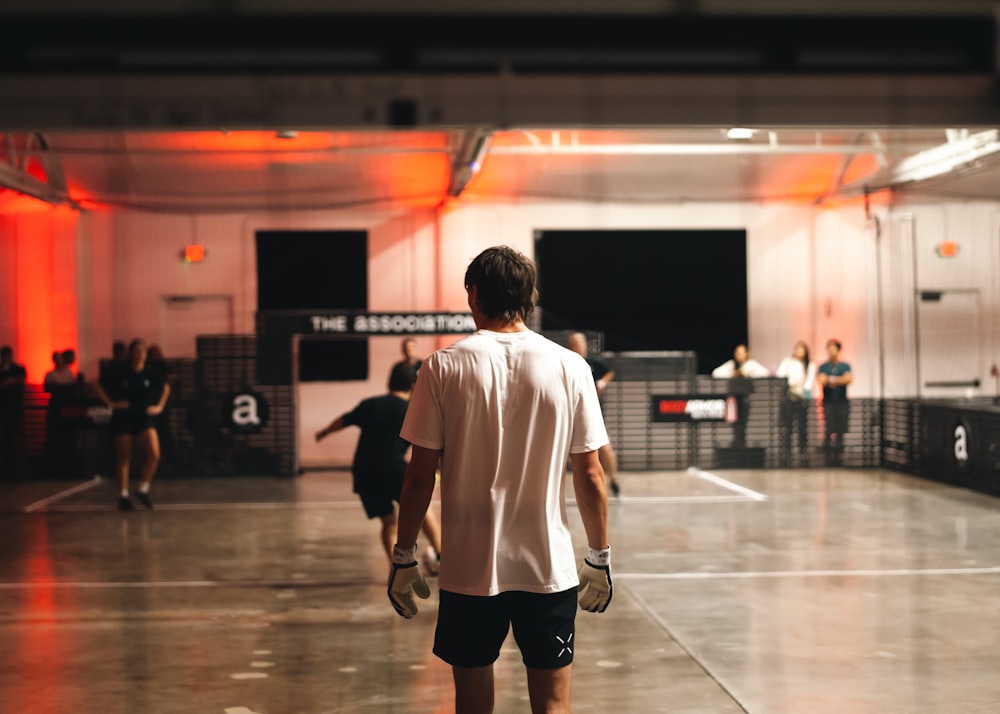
x=194, y=253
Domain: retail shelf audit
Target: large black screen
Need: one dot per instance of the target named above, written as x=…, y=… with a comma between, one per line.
x=647, y=289
x=311, y=270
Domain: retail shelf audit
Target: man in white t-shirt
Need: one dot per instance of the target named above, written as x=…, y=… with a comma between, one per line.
x=502, y=410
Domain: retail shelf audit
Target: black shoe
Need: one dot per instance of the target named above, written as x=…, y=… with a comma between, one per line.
x=145, y=500
x=125, y=504
x=615, y=489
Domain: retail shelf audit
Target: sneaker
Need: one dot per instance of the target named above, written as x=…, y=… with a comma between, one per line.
x=432, y=561
x=145, y=500
x=616, y=489
x=125, y=504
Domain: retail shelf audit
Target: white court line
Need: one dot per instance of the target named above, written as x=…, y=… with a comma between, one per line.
x=749, y=493
x=674, y=499
x=287, y=584
x=630, y=577
x=988, y=570
x=62, y=494
x=222, y=506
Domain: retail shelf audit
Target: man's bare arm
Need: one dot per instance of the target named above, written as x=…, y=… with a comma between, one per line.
x=591, y=497
x=418, y=487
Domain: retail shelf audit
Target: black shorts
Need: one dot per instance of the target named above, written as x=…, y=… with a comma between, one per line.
x=378, y=497
x=130, y=422
x=471, y=629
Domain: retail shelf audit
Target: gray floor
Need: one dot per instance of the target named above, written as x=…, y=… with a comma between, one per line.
x=768, y=592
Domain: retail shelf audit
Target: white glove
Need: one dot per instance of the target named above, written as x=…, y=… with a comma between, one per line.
x=595, y=588
x=405, y=579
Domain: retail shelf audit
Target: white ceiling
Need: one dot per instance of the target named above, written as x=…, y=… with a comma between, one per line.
x=643, y=138
x=218, y=171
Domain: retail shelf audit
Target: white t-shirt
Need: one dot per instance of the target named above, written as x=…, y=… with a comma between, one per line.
x=800, y=379
x=750, y=368
x=506, y=409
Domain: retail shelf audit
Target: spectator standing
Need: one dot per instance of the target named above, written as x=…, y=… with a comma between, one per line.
x=834, y=376
x=739, y=371
x=12, y=379
x=800, y=372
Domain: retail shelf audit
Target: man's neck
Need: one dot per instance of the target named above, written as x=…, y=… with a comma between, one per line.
x=501, y=326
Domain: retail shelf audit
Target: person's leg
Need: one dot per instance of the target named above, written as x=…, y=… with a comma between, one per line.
x=123, y=457
x=469, y=634
x=473, y=689
x=545, y=629
x=785, y=430
x=609, y=462
x=388, y=533
x=150, y=442
x=548, y=690
x=431, y=529
x=802, y=417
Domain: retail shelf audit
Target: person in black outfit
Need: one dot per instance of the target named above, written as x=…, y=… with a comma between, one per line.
x=834, y=376
x=409, y=347
x=603, y=374
x=136, y=394
x=380, y=459
x=155, y=360
x=12, y=379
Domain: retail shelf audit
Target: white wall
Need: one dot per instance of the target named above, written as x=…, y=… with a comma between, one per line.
x=811, y=275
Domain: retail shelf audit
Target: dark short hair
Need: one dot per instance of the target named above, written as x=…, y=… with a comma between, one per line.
x=835, y=343
x=7, y=350
x=402, y=377
x=505, y=280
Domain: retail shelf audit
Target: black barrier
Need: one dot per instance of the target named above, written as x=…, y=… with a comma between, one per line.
x=953, y=441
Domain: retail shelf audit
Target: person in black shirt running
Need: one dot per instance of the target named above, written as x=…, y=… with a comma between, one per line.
x=380, y=459
x=136, y=394
x=603, y=374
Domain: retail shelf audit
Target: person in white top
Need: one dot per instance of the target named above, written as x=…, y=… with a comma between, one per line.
x=740, y=370
x=741, y=365
x=800, y=372
x=502, y=410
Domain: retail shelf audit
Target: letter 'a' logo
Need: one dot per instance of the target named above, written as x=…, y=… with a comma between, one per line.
x=961, y=443
x=246, y=412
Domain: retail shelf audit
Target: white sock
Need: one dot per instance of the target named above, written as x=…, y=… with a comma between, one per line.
x=124, y=493
x=143, y=488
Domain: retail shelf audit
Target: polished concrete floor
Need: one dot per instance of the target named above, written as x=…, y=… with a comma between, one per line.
x=767, y=592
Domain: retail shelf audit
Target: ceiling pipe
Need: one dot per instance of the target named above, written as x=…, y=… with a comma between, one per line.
x=469, y=159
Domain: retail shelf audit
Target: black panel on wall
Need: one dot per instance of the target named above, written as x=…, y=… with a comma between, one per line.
x=312, y=270
x=647, y=289
x=333, y=359
x=306, y=271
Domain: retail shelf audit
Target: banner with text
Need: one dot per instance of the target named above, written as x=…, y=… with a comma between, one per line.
x=695, y=408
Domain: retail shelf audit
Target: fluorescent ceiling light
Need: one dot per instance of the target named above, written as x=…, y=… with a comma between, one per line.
x=950, y=156
x=740, y=133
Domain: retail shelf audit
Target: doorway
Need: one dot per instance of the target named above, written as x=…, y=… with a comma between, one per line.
x=184, y=317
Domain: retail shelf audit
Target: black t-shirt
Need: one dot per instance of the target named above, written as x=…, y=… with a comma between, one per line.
x=12, y=393
x=140, y=389
x=598, y=367
x=381, y=452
